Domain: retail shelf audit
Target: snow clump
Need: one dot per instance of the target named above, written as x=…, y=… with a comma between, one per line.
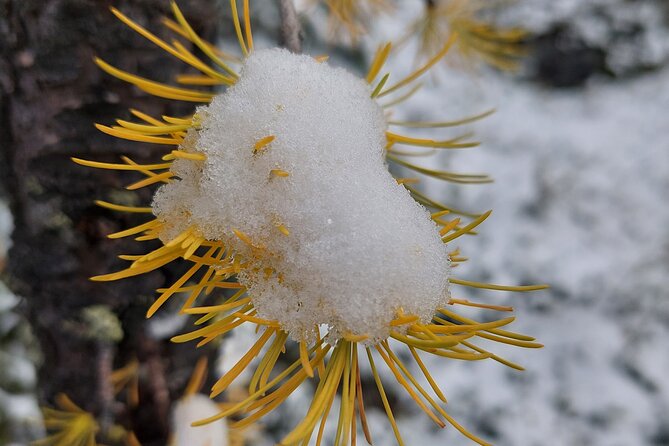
x=325, y=234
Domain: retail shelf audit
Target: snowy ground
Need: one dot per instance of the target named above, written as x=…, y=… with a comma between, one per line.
x=582, y=179
x=580, y=202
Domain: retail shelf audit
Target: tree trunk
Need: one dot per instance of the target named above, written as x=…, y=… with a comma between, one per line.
x=51, y=93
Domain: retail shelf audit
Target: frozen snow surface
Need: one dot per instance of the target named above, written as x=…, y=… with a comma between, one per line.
x=334, y=238
x=580, y=202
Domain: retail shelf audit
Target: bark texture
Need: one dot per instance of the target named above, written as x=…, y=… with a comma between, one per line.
x=51, y=93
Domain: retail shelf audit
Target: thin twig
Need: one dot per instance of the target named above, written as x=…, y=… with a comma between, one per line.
x=152, y=358
x=105, y=389
x=291, y=30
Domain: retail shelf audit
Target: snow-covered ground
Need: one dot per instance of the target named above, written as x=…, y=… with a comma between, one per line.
x=580, y=202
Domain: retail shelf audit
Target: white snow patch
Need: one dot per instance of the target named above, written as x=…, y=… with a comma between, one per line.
x=360, y=248
x=194, y=408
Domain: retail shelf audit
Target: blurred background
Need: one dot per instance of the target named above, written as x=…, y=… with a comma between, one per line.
x=578, y=148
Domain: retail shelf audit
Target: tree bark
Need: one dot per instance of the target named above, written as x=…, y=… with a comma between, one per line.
x=51, y=93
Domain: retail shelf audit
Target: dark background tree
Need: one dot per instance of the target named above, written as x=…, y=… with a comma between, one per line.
x=51, y=93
